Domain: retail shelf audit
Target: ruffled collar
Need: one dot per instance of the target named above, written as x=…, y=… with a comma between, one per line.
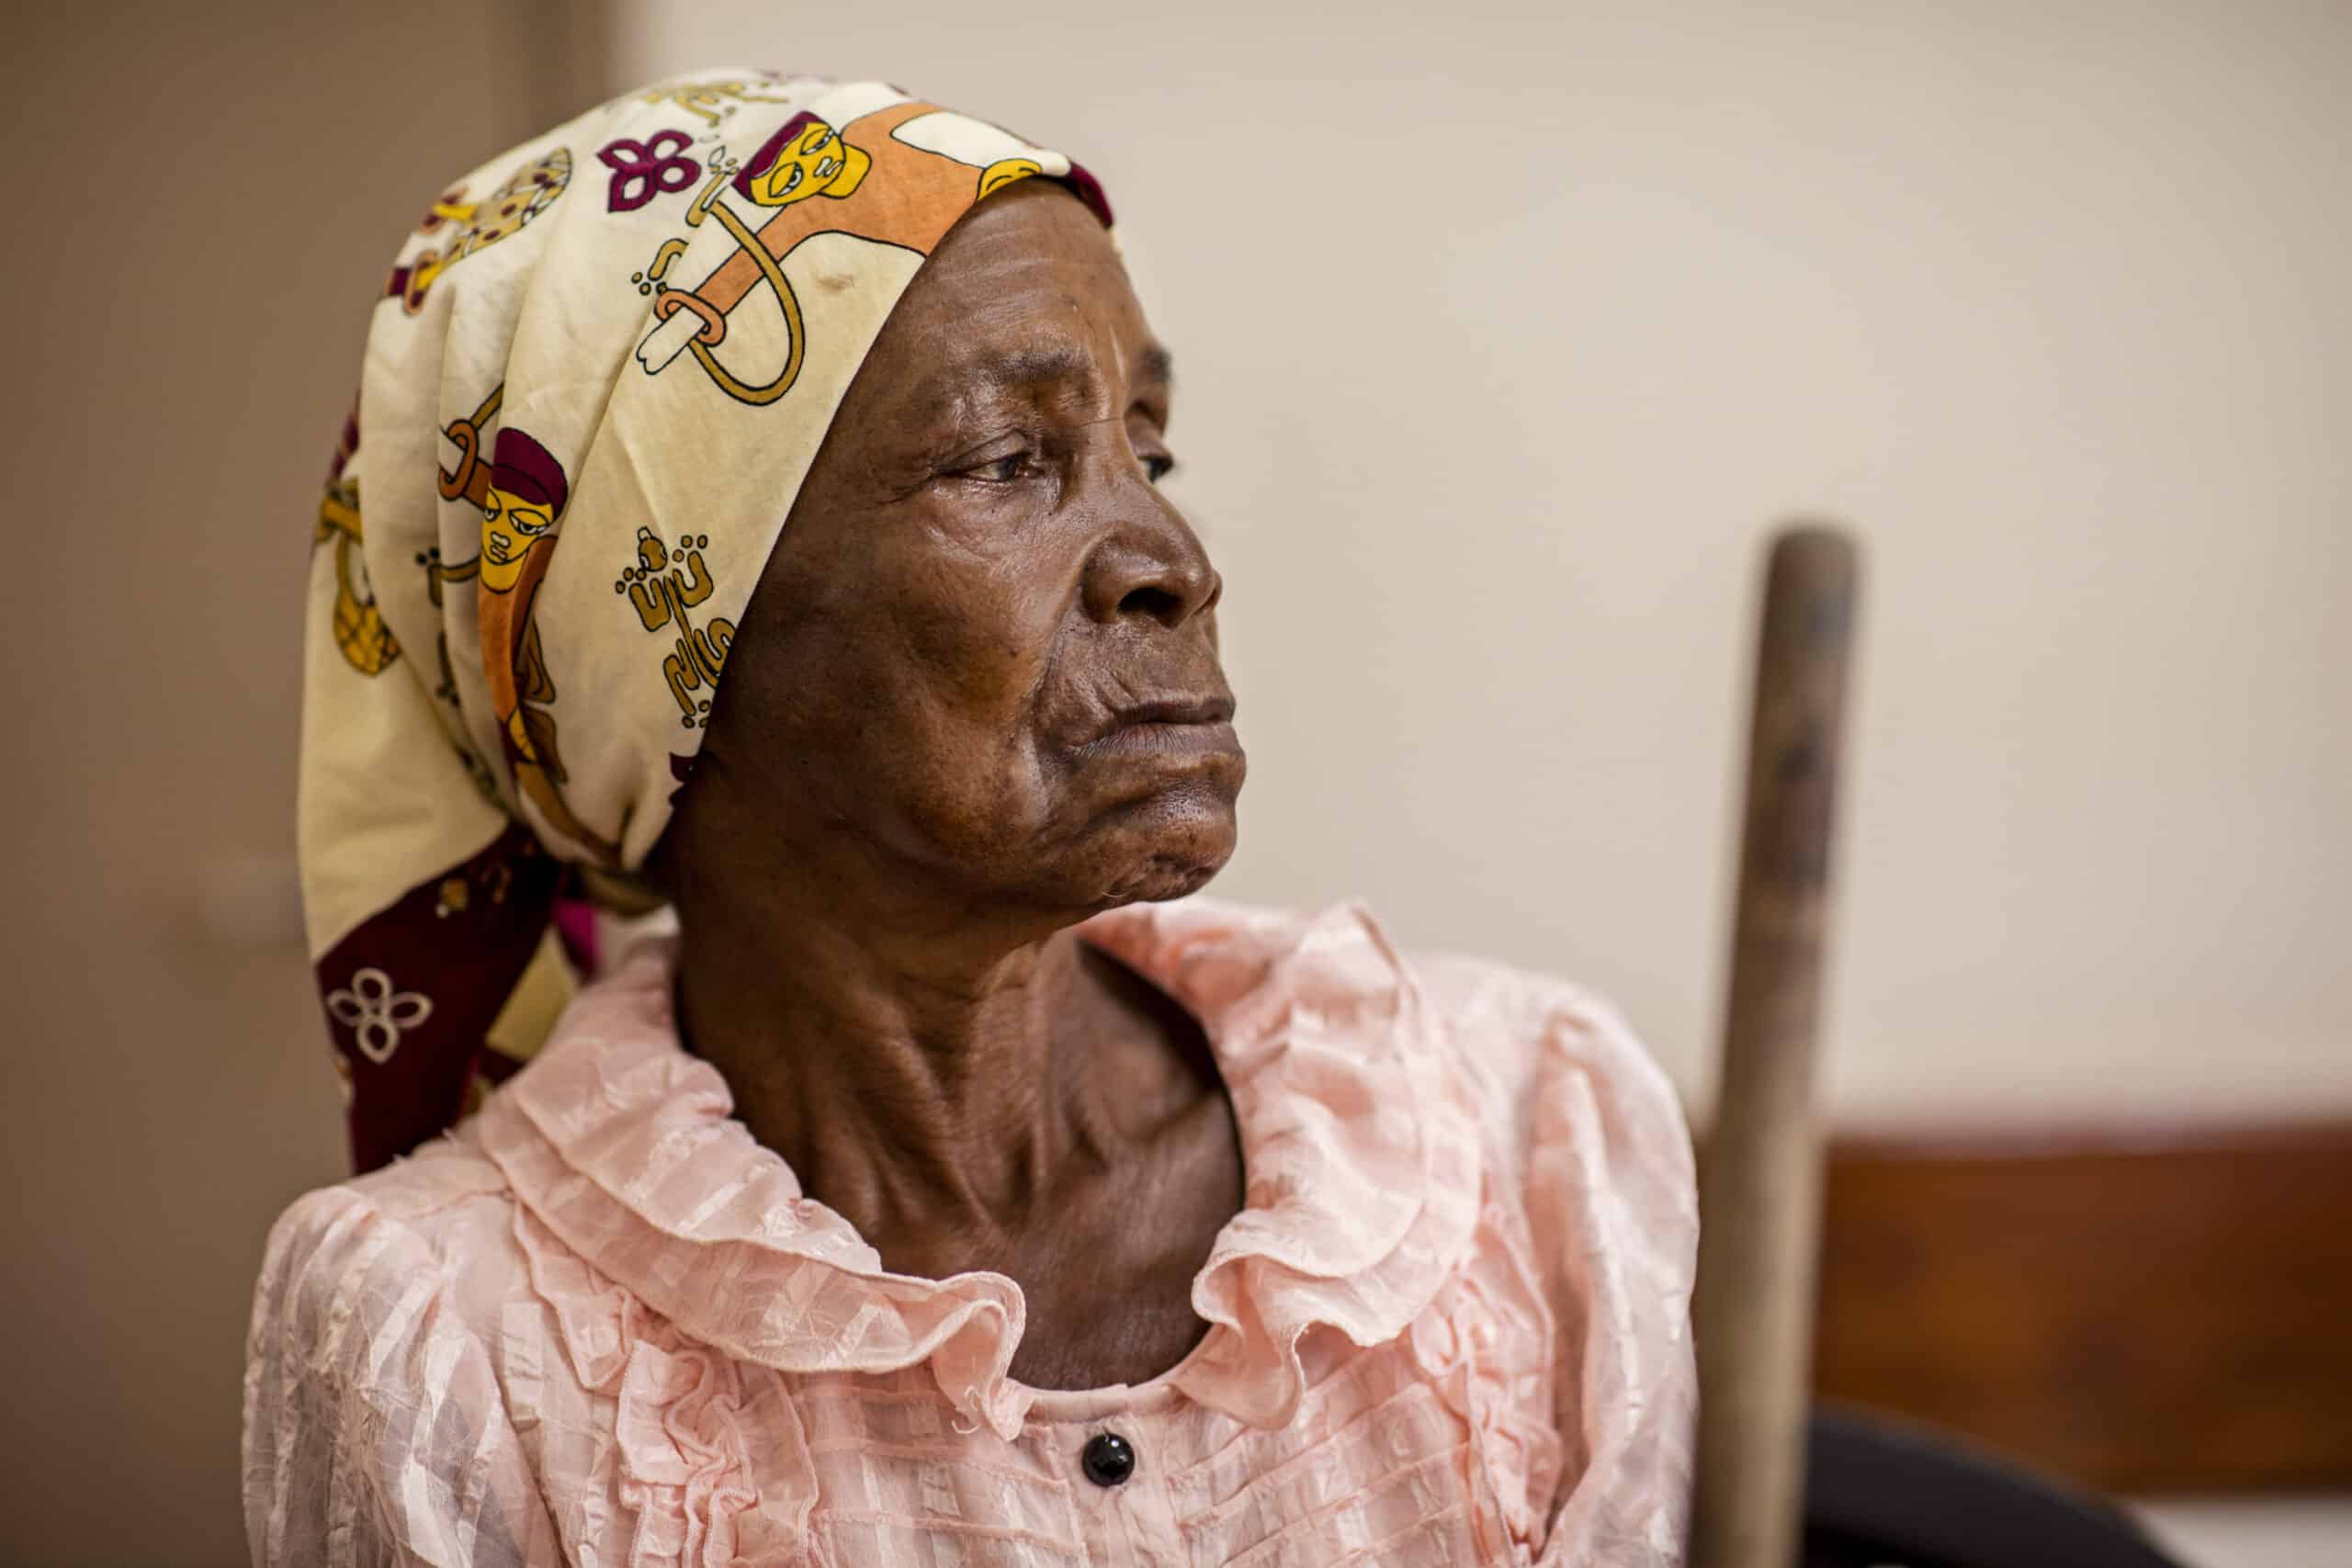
x=1360, y=1155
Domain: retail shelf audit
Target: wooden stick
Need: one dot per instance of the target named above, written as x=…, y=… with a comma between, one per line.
x=1759, y=1187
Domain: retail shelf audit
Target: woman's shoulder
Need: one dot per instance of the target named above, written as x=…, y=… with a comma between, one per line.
x=1513, y=1030
x=1516, y=1025
x=375, y=1378
x=1549, y=1066
x=1564, y=1086
x=435, y=1226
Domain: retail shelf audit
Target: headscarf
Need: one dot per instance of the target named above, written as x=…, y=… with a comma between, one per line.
x=597, y=380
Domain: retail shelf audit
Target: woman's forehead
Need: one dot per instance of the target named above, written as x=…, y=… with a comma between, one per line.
x=1023, y=301
x=1030, y=245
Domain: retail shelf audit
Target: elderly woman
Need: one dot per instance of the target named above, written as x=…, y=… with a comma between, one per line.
x=925, y=1186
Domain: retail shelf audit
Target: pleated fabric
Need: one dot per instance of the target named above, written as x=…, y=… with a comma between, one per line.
x=600, y=1324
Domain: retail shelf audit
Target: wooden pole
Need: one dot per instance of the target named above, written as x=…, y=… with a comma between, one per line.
x=1760, y=1176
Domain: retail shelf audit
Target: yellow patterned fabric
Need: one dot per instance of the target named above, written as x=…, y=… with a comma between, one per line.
x=602, y=367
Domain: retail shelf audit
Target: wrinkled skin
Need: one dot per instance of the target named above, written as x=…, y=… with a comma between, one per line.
x=975, y=699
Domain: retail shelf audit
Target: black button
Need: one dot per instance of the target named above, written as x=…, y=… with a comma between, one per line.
x=1108, y=1459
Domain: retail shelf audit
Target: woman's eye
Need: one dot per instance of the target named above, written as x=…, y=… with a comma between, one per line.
x=999, y=471
x=1157, y=466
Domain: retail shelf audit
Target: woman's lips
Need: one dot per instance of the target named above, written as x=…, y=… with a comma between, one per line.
x=1160, y=737
x=1169, y=727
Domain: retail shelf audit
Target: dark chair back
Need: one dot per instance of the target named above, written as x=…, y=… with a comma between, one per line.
x=1880, y=1493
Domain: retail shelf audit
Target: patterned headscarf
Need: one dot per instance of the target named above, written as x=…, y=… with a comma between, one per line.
x=601, y=371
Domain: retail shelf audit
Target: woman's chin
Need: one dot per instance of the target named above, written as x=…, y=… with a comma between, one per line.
x=1160, y=880
x=1177, y=851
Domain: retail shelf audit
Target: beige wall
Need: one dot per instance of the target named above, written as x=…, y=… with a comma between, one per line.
x=206, y=199
x=1502, y=328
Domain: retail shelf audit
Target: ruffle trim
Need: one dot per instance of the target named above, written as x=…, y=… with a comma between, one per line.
x=621, y=1145
x=712, y=1462
x=1486, y=1345
x=1362, y=1151
x=1362, y=1160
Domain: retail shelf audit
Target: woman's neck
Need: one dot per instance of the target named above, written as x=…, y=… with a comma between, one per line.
x=924, y=1085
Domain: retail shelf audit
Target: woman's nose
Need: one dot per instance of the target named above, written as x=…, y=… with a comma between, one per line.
x=1150, y=563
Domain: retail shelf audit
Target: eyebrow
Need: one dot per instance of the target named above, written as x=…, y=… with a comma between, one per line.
x=1022, y=368
x=1156, y=366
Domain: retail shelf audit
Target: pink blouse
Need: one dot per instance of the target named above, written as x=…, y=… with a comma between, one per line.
x=599, y=1325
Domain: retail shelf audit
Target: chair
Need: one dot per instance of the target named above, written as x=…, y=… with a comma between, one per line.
x=1880, y=1491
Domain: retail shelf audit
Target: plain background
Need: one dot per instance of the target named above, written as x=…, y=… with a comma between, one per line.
x=1503, y=330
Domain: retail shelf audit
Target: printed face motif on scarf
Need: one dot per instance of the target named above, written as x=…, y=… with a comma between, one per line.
x=573, y=525
x=526, y=493
x=805, y=158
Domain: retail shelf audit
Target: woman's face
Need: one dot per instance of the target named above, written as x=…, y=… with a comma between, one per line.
x=984, y=650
